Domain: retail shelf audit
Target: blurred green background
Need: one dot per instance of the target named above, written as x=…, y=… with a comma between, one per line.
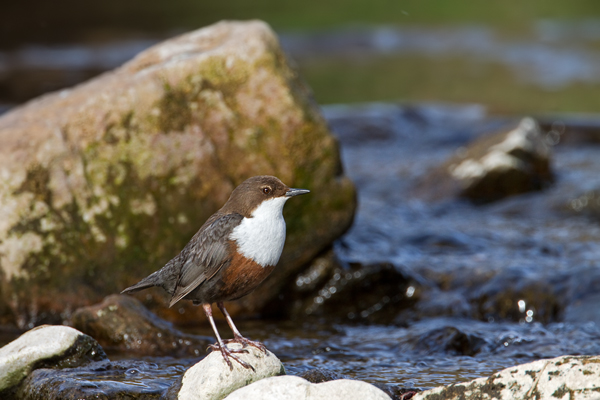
x=512, y=56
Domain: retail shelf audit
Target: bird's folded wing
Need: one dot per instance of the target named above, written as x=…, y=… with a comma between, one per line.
x=205, y=254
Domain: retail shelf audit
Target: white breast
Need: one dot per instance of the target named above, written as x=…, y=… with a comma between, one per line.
x=262, y=236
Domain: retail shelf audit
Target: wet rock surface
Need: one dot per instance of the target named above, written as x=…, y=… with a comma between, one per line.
x=106, y=380
x=451, y=340
x=59, y=362
x=122, y=323
x=103, y=183
x=513, y=161
x=42, y=347
x=372, y=293
x=567, y=377
x=319, y=375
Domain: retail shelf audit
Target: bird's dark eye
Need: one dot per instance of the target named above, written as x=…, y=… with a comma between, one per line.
x=266, y=190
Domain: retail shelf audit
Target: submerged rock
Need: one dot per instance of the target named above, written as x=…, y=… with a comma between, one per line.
x=451, y=340
x=294, y=387
x=583, y=295
x=100, y=185
x=211, y=378
x=567, y=377
x=506, y=163
x=104, y=380
x=318, y=375
x=518, y=294
x=123, y=323
x=44, y=347
x=372, y=293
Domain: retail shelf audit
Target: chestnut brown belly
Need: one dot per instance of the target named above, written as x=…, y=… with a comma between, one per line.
x=241, y=277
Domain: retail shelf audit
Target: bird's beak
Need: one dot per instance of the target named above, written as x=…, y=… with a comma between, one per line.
x=296, y=192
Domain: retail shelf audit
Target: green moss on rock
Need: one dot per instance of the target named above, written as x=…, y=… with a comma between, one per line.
x=127, y=167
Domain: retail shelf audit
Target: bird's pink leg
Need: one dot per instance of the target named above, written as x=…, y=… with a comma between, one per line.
x=237, y=336
x=227, y=353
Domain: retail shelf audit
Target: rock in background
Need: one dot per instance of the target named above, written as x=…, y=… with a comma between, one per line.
x=350, y=292
x=122, y=323
x=509, y=162
x=102, y=184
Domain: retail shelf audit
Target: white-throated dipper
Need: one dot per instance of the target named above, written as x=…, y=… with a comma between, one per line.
x=231, y=254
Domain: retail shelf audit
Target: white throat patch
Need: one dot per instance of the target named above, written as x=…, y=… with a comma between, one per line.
x=262, y=236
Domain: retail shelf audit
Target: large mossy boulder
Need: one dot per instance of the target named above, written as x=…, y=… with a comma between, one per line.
x=101, y=184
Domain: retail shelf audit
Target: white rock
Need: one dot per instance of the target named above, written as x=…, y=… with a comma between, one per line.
x=41, y=343
x=511, y=161
x=566, y=377
x=295, y=388
x=211, y=378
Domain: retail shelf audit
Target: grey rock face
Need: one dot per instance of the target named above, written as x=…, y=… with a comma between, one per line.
x=566, y=377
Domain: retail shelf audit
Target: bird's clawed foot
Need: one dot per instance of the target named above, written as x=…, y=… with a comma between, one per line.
x=247, y=342
x=227, y=353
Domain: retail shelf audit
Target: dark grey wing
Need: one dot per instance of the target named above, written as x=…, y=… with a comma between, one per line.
x=205, y=254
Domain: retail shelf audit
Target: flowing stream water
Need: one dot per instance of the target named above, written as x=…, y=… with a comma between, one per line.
x=501, y=284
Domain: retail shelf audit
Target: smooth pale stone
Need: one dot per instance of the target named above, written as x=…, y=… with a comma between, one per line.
x=19, y=356
x=211, y=378
x=296, y=388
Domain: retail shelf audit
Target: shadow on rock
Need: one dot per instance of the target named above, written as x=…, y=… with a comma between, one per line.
x=373, y=293
x=123, y=323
